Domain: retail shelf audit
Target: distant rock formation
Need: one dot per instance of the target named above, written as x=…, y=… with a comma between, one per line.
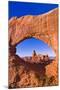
x=34, y=54
x=39, y=57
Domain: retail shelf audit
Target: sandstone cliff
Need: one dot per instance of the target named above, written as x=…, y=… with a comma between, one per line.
x=43, y=27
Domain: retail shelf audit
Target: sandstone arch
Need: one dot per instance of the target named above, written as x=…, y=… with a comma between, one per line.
x=43, y=27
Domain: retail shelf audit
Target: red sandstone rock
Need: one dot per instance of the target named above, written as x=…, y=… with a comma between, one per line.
x=43, y=27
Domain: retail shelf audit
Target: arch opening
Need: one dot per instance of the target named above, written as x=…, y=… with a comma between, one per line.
x=29, y=45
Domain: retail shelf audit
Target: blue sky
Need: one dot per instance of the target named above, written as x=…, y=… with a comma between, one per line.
x=23, y=8
x=26, y=48
x=19, y=9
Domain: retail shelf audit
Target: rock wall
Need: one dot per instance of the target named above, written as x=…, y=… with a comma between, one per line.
x=43, y=27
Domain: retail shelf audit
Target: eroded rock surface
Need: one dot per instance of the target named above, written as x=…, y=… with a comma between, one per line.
x=43, y=27
x=23, y=73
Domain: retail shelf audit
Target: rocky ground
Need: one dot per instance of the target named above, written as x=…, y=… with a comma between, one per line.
x=23, y=73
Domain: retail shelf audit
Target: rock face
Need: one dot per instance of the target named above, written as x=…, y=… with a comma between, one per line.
x=23, y=73
x=43, y=27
